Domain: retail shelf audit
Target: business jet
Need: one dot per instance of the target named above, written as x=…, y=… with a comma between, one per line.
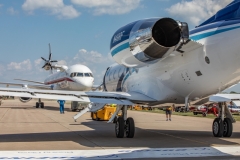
x=158, y=60
x=74, y=78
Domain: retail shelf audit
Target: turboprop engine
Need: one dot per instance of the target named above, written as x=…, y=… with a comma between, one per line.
x=146, y=41
x=24, y=99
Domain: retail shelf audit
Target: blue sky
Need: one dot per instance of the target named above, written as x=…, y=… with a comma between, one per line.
x=79, y=30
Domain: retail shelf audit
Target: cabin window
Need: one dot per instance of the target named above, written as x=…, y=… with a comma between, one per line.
x=80, y=74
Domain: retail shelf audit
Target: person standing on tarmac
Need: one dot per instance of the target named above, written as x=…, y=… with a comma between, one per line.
x=61, y=103
x=169, y=112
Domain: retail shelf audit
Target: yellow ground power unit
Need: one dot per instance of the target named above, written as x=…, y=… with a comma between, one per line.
x=103, y=114
x=137, y=107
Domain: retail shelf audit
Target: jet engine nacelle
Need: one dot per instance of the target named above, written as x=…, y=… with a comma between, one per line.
x=146, y=41
x=24, y=99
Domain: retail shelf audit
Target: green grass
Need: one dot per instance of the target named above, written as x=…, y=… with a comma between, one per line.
x=236, y=117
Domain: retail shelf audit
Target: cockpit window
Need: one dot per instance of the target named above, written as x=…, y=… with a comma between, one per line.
x=73, y=74
x=80, y=74
x=87, y=75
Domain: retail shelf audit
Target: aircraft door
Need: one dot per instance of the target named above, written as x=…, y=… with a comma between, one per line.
x=104, y=80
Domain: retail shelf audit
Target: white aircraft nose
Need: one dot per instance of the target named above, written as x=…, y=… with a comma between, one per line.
x=85, y=82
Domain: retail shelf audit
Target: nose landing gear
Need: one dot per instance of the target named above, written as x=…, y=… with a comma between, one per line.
x=39, y=104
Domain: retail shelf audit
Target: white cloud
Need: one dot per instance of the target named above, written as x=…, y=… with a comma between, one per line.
x=196, y=11
x=62, y=62
x=111, y=7
x=12, y=11
x=55, y=7
x=2, y=69
x=21, y=66
x=89, y=56
x=37, y=62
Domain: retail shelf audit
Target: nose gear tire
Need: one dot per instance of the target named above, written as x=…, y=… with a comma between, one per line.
x=217, y=127
x=119, y=127
x=130, y=128
x=227, y=127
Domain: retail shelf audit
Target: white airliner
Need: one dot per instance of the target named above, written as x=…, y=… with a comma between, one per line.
x=74, y=78
x=159, y=61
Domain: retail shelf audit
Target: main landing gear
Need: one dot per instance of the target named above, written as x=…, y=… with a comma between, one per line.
x=124, y=125
x=222, y=125
x=39, y=104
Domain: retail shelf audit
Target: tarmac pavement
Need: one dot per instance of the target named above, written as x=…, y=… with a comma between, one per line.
x=24, y=127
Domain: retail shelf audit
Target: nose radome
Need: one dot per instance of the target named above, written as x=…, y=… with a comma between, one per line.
x=86, y=82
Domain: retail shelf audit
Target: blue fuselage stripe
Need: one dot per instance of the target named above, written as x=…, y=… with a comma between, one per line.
x=215, y=25
x=120, y=48
x=208, y=34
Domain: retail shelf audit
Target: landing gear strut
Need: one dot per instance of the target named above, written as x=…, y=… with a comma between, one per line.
x=222, y=126
x=39, y=104
x=124, y=126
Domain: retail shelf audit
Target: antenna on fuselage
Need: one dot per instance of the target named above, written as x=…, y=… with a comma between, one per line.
x=48, y=63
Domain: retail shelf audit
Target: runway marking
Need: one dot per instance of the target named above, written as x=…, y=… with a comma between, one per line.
x=124, y=153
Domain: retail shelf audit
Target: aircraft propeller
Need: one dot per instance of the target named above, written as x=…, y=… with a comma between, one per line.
x=48, y=63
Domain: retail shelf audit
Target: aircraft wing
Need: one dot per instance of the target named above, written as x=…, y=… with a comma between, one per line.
x=224, y=97
x=30, y=81
x=121, y=98
x=40, y=86
x=33, y=86
x=12, y=84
